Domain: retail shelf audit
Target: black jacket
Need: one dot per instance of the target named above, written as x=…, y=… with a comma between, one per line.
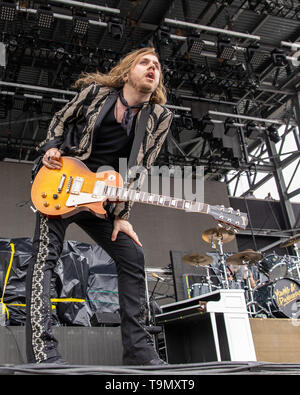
x=71, y=130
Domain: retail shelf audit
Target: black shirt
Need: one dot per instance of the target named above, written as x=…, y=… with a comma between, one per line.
x=110, y=142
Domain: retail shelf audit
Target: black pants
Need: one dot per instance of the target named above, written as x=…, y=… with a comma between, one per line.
x=48, y=240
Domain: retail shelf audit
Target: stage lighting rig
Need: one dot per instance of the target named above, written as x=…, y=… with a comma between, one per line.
x=187, y=121
x=162, y=35
x=227, y=153
x=116, y=28
x=230, y=128
x=216, y=145
x=3, y=108
x=195, y=44
x=80, y=23
x=45, y=17
x=206, y=127
x=252, y=130
x=225, y=50
x=7, y=11
x=273, y=133
x=60, y=53
x=12, y=45
x=255, y=56
x=252, y=4
x=278, y=57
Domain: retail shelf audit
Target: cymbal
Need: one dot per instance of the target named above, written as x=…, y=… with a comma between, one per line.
x=216, y=233
x=247, y=256
x=291, y=241
x=197, y=259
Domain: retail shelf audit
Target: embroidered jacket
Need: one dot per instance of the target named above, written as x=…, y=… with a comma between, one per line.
x=71, y=131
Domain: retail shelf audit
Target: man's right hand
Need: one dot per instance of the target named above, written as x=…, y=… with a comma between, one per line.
x=51, y=159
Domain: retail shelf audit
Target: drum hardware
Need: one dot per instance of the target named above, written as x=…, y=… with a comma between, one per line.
x=245, y=258
x=222, y=236
x=202, y=260
x=293, y=242
x=273, y=266
x=249, y=293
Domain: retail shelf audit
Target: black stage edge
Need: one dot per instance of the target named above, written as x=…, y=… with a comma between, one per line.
x=185, y=371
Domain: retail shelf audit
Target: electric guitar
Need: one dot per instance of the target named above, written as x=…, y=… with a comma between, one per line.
x=72, y=188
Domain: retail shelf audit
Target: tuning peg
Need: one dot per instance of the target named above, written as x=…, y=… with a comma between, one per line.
x=220, y=225
x=230, y=210
x=238, y=212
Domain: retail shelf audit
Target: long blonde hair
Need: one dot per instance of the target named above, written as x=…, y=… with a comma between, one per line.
x=115, y=77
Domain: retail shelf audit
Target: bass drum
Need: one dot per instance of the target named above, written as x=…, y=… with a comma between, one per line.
x=280, y=298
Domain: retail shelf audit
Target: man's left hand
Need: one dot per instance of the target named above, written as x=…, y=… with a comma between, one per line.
x=122, y=225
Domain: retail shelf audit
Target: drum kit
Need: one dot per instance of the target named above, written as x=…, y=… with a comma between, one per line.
x=277, y=291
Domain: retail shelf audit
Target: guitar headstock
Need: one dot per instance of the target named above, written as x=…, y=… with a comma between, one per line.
x=230, y=217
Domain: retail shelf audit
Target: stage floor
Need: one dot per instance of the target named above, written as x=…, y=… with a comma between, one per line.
x=121, y=373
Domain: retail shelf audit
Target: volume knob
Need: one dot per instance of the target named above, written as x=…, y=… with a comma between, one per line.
x=44, y=194
x=57, y=206
x=46, y=204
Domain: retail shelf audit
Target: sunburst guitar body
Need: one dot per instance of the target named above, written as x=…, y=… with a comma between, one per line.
x=72, y=188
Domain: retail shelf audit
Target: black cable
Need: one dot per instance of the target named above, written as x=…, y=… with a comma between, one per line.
x=250, y=224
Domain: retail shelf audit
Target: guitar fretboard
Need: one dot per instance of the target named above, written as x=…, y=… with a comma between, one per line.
x=124, y=194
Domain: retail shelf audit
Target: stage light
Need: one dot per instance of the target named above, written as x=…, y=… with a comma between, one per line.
x=254, y=55
x=187, y=122
x=3, y=109
x=227, y=153
x=278, y=57
x=273, y=133
x=45, y=17
x=230, y=128
x=252, y=130
x=252, y=4
x=59, y=53
x=80, y=24
x=235, y=163
x=216, y=144
x=12, y=45
x=195, y=44
x=7, y=12
x=116, y=28
x=206, y=127
x=163, y=35
x=225, y=50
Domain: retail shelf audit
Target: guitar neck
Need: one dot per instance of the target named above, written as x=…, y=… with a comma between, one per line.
x=123, y=194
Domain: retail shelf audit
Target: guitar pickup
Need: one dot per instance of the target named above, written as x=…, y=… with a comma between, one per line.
x=61, y=183
x=98, y=189
x=77, y=185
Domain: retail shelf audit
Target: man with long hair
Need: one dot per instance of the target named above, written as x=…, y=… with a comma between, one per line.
x=116, y=115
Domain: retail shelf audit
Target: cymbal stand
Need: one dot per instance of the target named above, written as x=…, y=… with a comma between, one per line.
x=208, y=278
x=223, y=262
x=297, y=264
x=250, y=293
